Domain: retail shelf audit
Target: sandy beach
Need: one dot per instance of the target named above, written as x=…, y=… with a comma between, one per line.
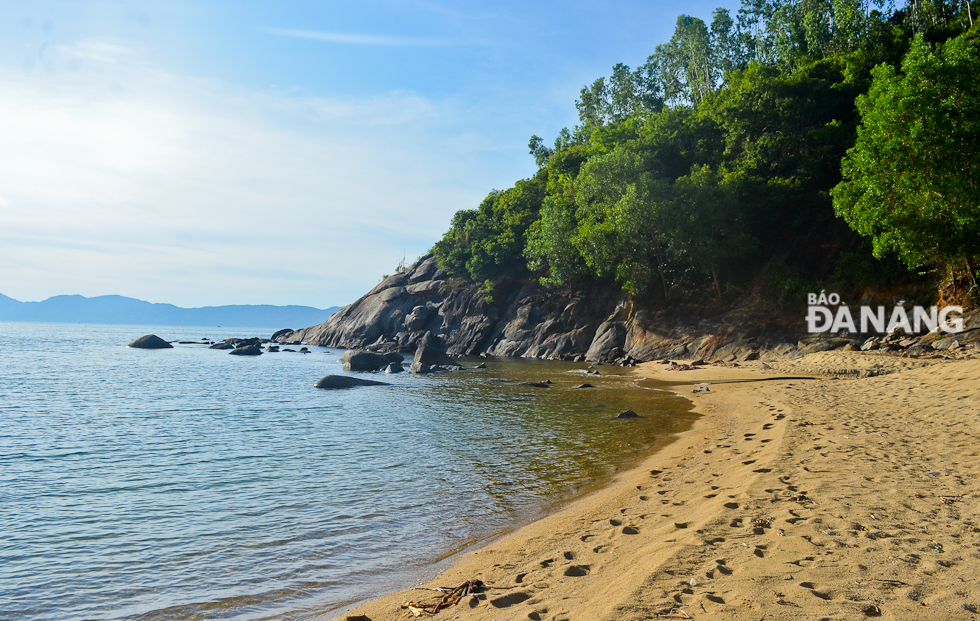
x=853, y=494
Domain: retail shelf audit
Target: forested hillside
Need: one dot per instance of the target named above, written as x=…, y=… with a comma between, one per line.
x=794, y=145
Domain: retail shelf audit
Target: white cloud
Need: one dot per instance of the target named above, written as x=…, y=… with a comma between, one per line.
x=126, y=179
x=358, y=39
x=99, y=50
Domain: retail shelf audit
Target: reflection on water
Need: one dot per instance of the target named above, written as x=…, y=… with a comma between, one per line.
x=187, y=483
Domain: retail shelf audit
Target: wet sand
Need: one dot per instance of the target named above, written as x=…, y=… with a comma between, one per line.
x=852, y=495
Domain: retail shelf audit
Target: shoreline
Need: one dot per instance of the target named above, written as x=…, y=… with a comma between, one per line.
x=762, y=507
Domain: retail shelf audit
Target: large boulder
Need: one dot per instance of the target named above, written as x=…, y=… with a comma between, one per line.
x=361, y=360
x=281, y=334
x=251, y=349
x=428, y=357
x=334, y=382
x=415, y=320
x=150, y=341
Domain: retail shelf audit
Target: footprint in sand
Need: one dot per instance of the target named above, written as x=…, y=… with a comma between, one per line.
x=568, y=556
x=509, y=600
x=577, y=571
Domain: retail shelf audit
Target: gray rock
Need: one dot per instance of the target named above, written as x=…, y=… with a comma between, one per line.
x=150, y=341
x=627, y=414
x=583, y=386
x=415, y=320
x=425, y=270
x=871, y=344
x=394, y=367
x=283, y=334
x=222, y=346
x=427, y=355
x=360, y=360
x=334, y=382
x=252, y=349
x=609, y=339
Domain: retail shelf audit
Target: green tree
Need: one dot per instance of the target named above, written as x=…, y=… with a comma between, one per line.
x=488, y=242
x=912, y=181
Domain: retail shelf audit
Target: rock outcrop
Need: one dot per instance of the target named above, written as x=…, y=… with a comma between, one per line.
x=521, y=319
x=150, y=341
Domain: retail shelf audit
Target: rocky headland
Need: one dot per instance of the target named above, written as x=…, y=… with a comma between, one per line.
x=521, y=319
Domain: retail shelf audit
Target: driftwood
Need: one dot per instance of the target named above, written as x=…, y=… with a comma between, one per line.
x=451, y=597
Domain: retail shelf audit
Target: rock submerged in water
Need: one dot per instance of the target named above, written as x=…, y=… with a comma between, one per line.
x=150, y=341
x=627, y=414
x=335, y=382
x=394, y=367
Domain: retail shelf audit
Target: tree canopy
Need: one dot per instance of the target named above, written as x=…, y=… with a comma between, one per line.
x=739, y=140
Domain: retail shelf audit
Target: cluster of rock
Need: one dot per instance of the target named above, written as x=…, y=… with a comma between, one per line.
x=428, y=359
x=237, y=346
x=915, y=346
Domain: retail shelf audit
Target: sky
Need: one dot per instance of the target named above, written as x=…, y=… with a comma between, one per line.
x=211, y=153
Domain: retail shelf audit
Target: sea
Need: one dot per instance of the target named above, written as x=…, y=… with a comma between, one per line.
x=187, y=483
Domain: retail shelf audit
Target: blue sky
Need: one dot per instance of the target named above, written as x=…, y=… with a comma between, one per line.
x=276, y=153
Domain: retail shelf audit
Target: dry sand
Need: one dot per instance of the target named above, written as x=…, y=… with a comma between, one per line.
x=789, y=499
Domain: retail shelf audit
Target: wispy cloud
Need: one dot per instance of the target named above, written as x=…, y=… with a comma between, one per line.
x=359, y=39
x=99, y=50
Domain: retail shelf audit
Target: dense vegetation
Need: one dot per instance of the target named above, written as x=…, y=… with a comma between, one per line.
x=750, y=140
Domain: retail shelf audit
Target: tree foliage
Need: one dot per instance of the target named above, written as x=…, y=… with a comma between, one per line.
x=913, y=178
x=722, y=149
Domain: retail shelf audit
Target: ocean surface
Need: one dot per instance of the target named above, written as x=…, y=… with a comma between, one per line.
x=187, y=483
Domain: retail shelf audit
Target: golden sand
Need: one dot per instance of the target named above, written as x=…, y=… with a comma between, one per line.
x=843, y=497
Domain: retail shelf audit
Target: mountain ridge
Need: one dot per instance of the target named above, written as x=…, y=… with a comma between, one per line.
x=118, y=309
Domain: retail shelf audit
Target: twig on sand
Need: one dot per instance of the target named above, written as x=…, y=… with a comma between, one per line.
x=451, y=597
x=891, y=582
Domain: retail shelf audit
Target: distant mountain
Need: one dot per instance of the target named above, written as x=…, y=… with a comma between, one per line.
x=122, y=310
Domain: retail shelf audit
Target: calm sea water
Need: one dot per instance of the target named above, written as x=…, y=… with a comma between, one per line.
x=188, y=483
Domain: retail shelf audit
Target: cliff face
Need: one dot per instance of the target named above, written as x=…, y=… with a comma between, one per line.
x=522, y=321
